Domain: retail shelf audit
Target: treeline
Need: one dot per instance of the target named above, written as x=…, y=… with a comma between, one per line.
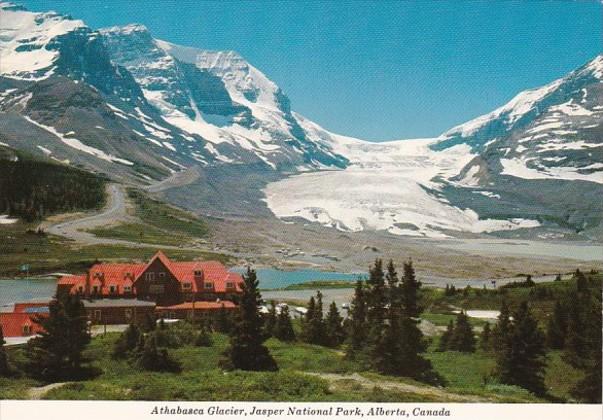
x=32, y=189
x=520, y=345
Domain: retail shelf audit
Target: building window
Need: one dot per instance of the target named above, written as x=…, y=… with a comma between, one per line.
x=26, y=329
x=209, y=285
x=112, y=289
x=230, y=285
x=128, y=314
x=80, y=289
x=95, y=289
x=161, y=275
x=186, y=286
x=127, y=289
x=197, y=273
x=149, y=276
x=98, y=315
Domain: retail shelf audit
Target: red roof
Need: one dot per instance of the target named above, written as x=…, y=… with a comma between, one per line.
x=200, y=305
x=121, y=275
x=12, y=324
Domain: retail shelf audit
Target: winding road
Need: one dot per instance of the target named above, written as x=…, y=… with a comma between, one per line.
x=114, y=212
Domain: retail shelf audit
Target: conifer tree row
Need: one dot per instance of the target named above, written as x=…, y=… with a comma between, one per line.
x=33, y=189
x=384, y=332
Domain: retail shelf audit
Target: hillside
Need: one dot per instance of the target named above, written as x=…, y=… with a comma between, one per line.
x=33, y=188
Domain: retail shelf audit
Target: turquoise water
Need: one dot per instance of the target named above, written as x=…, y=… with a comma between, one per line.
x=25, y=290
x=271, y=278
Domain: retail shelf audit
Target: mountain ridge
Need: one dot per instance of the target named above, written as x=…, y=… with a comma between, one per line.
x=118, y=101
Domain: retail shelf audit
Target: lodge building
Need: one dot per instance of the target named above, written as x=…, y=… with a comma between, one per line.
x=132, y=293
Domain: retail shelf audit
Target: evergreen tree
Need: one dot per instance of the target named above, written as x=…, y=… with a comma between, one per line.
x=57, y=352
x=335, y=334
x=410, y=292
x=246, y=350
x=557, y=327
x=446, y=337
x=581, y=282
x=313, y=328
x=223, y=321
x=357, y=322
x=502, y=329
x=576, y=340
x=284, y=328
x=154, y=358
x=410, y=342
x=270, y=323
x=583, y=343
x=529, y=282
x=523, y=362
x=376, y=300
x=462, y=339
x=127, y=342
x=203, y=338
x=4, y=368
x=148, y=323
x=485, y=338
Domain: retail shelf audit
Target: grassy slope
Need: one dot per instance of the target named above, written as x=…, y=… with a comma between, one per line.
x=159, y=224
x=202, y=380
x=48, y=253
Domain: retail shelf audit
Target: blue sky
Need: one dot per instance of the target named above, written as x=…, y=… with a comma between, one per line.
x=377, y=70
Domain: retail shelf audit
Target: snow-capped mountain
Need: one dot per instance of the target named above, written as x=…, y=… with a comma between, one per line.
x=121, y=102
x=175, y=106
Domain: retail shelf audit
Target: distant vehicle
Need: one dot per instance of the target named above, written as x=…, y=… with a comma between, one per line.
x=345, y=306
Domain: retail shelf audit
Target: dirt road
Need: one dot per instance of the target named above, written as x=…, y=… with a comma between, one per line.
x=115, y=211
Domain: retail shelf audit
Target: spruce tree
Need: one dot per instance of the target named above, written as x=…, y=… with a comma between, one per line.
x=581, y=282
x=485, y=342
x=284, y=328
x=203, y=338
x=4, y=368
x=246, y=350
x=446, y=337
x=523, y=363
x=410, y=292
x=583, y=343
x=334, y=334
x=270, y=323
x=357, y=322
x=127, y=342
x=411, y=341
x=57, y=352
x=557, y=327
x=308, y=332
x=462, y=339
x=313, y=328
x=154, y=358
x=223, y=320
x=502, y=328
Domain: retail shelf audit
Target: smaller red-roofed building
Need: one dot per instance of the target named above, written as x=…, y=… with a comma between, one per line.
x=19, y=324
